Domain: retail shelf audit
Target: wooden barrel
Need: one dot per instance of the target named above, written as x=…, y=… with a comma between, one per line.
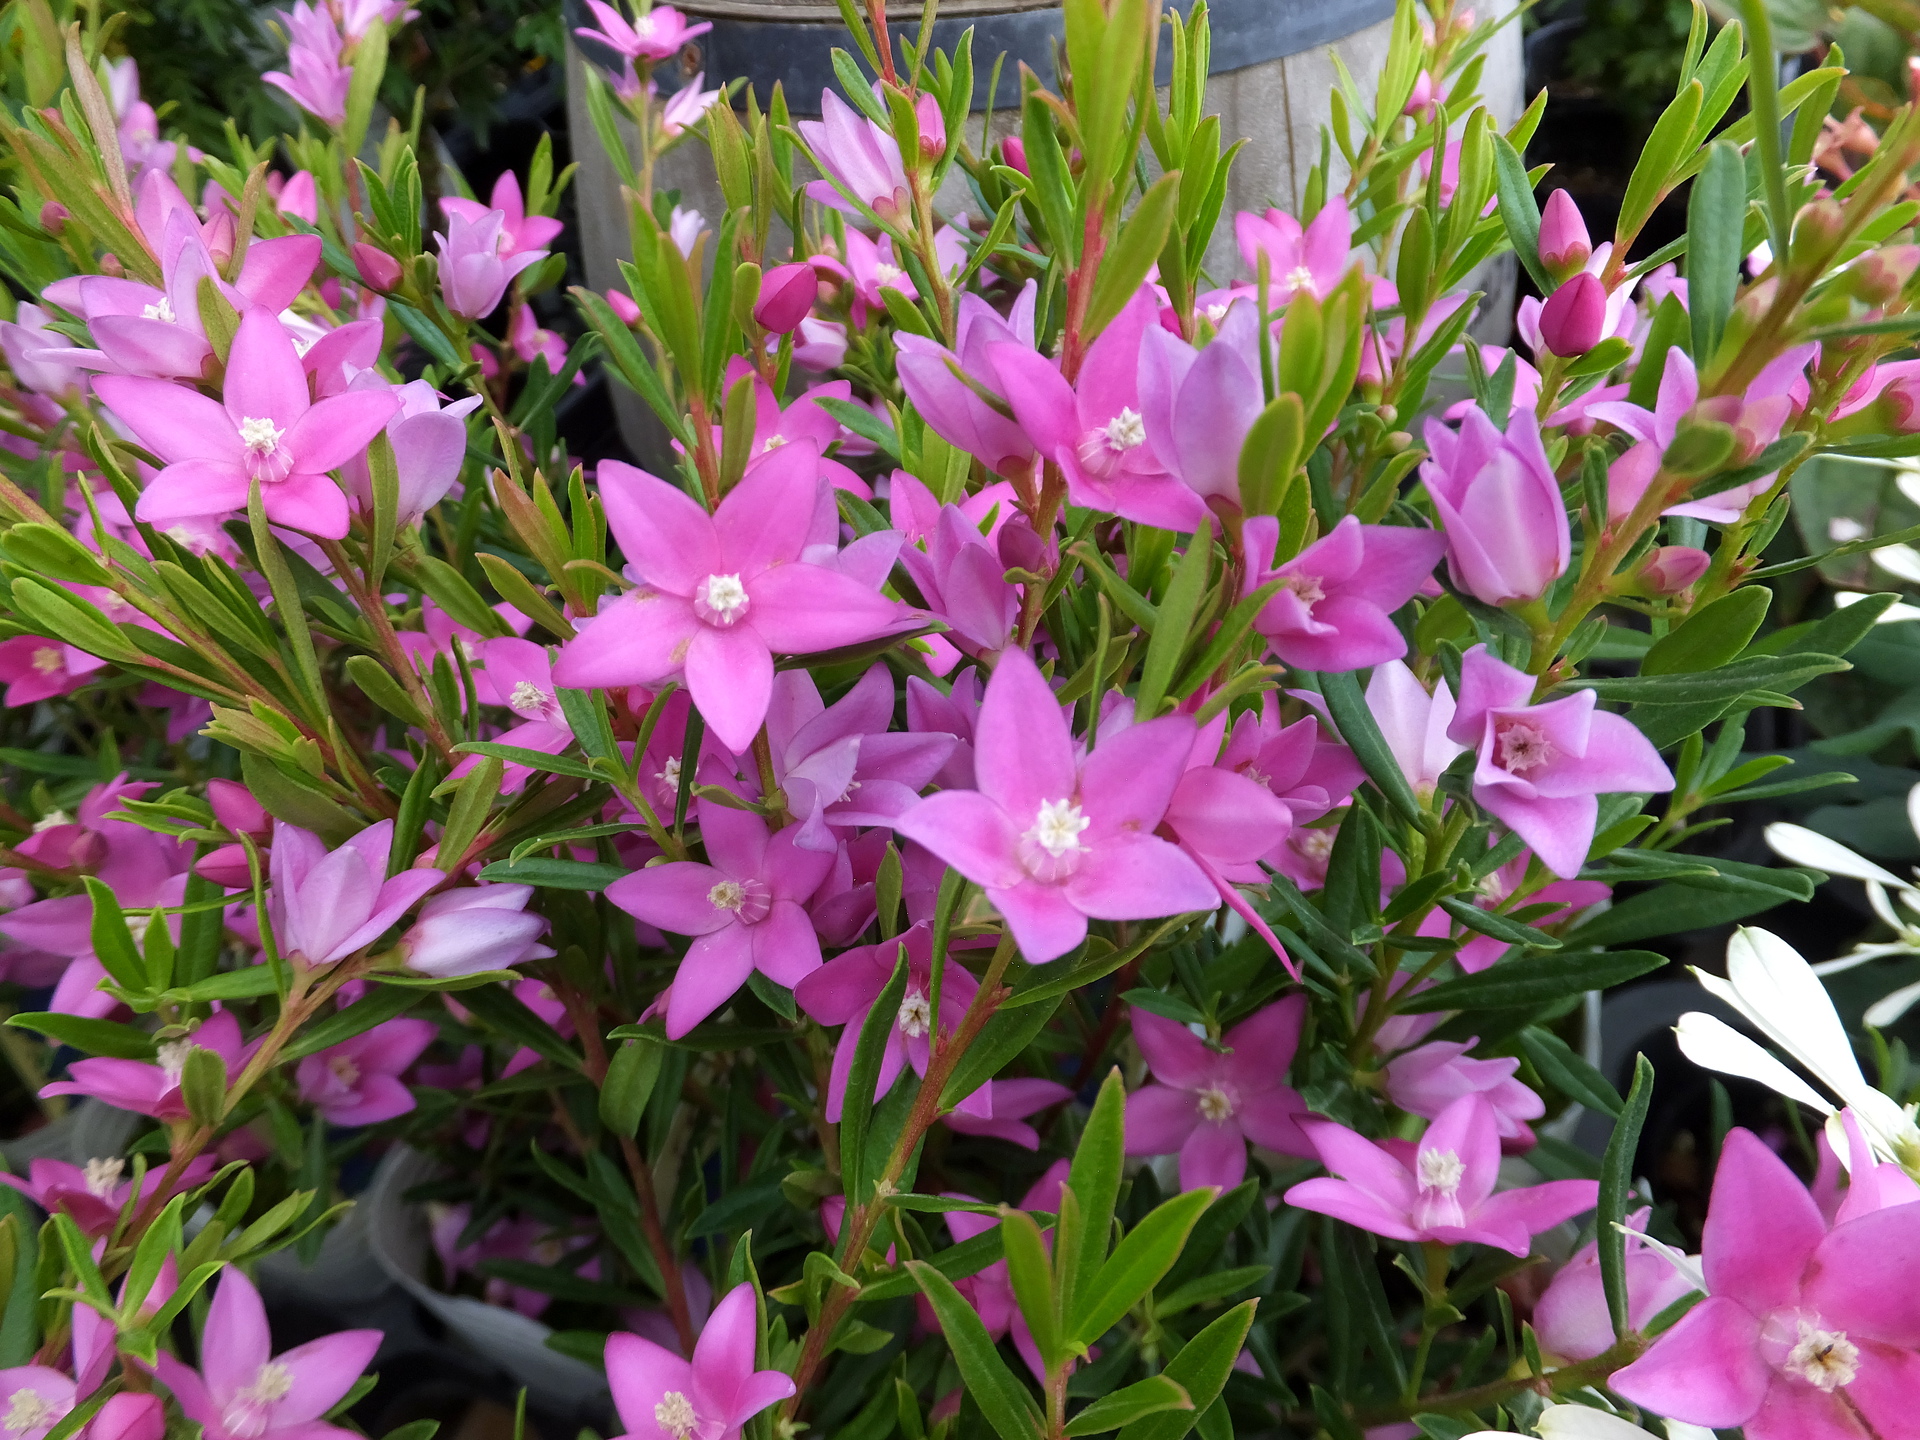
x=1272, y=71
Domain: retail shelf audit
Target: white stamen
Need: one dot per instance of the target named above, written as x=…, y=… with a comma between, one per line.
x=916, y=1015
x=28, y=1410
x=273, y=1382
x=161, y=309
x=260, y=436
x=1126, y=431
x=721, y=599
x=52, y=818
x=173, y=1058
x=1315, y=845
x=774, y=442
x=1440, y=1170
x=1307, y=589
x=103, y=1175
x=885, y=274
x=669, y=773
x=1301, y=278
x=727, y=895
x=1216, y=313
x=674, y=1414
x=47, y=660
x=344, y=1070
x=1216, y=1105
x=1825, y=1359
x=528, y=696
x=1523, y=747
x=1057, y=828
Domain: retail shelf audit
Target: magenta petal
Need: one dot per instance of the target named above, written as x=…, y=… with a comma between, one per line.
x=715, y=967
x=276, y=270
x=730, y=677
x=1044, y=924
x=1707, y=1370
x=799, y=609
x=1139, y=877
x=638, y=639
x=323, y=1371
x=312, y=503
x=723, y=1356
x=757, y=1392
x=1174, y=1053
x=969, y=832
x=188, y=1388
x=1213, y=1155
x=673, y=896
x=639, y=1372
x=236, y=1342
x=1227, y=817
x=265, y=380
x=1762, y=1226
x=1362, y=1163
x=785, y=948
x=1271, y=1120
x=662, y=531
x=1042, y=400
x=1263, y=1044
x=150, y=347
x=1023, y=753
x=337, y=429
x=174, y=422
x=765, y=519
x=1848, y=1281
x=1353, y=1205
x=1159, y=1120
x=1537, y=1207
x=1129, y=779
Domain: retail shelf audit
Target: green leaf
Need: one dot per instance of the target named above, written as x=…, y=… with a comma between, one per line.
x=369, y=66
x=555, y=874
x=632, y=1070
x=51, y=551
x=1271, y=455
x=1003, y=1037
x=1002, y=1399
x=533, y=759
x=1031, y=1272
x=1519, y=211
x=96, y=1037
x=1695, y=903
x=54, y=612
x=1712, y=636
x=379, y=1005
x=472, y=801
x=1616, y=1185
x=1781, y=673
x=863, y=1078
x=112, y=942
x=1500, y=927
x=1568, y=1072
x=1347, y=703
x=1716, y=221
x=1142, y=237
x=1174, y=623
x=1535, y=980
x=1095, y=1182
x=1201, y=1368
x=1670, y=143
x=1138, y=1400
x=1143, y=1255
x=376, y=682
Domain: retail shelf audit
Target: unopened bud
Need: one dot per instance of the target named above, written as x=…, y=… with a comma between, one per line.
x=933, y=127
x=622, y=305
x=1878, y=277
x=1013, y=153
x=1672, y=568
x=1020, y=545
x=378, y=269
x=786, y=297
x=1574, y=317
x=53, y=217
x=1817, y=229
x=219, y=235
x=1565, y=245
x=1420, y=102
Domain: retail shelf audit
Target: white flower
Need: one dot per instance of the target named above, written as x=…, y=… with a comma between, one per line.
x=1579, y=1422
x=1807, y=847
x=1776, y=991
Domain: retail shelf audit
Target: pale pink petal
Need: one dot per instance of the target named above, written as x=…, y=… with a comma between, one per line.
x=1023, y=753
x=1707, y=1370
x=638, y=639
x=673, y=897
x=1762, y=1226
x=715, y=967
x=730, y=677
x=799, y=609
x=662, y=531
x=1128, y=780
x=1043, y=923
x=335, y=430
x=765, y=519
x=173, y=421
x=323, y=1370
x=969, y=832
x=312, y=503
x=639, y=1372
x=265, y=380
x=236, y=1341
x=1213, y=1155
x=1139, y=877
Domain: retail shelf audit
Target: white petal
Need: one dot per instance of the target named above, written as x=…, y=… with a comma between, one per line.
x=1913, y=809
x=1859, y=955
x=1686, y=1266
x=1894, y=614
x=1712, y=1044
x=1838, y=1141
x=1814, y=850
x=1577, y=1422
x=1900, y=560
x=1681, y=1430
x=1777, y=990
x=1889, y=1008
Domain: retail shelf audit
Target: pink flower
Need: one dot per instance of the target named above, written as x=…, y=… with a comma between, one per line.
x=1495, y=495
x=429, y=447
x=357, y=1082
x=478, y=261
x=327, y=905
x=27, y=342
x=520, y=233
x=1208, y=1104
x=94, y=1195
x=1670, y=569
x=721, y=593
x=1334, y=611
x=686, y=105
x=990, y=1291
x=1312, y=259
x=266, y=430
x=154, y=1089
x=1094, y=429
x=1003, y=1108
x=1413, y=723
x=743, y=907
x=786, y=297
x=1441, y=1189
x=843, y=991
x=1806, y=1333
x=40, y=1396
x=963, y=580
x=930, y=374
x=821, y=345
x=1574, y=317
x=1054, y=839
x=863, y=158
x=1540, y=766
x=1426, y=1080
x=35, y=668
x=1571, y=1316
x=1198, y=405
x=656, y=35
x=318, y=83
x=474, y=929
x=243, y=1391
x=660, y=1396
x=1564, y=243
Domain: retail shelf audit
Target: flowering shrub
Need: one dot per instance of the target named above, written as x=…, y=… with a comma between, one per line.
x=1075, y=806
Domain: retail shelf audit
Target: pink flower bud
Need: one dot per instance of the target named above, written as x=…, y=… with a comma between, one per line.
x=622, y=304
x=1900, y=404
x=1672, y=568
x=1879, y=275
x=1020, y=545
x=1013, y=153
x=1574, y=317
x=786, y=297
x=379, y=269
x=236, y=809
x=53, y=217
x=219, y=235
x=933, y=127
x=1420, y=102
x=1564, y=243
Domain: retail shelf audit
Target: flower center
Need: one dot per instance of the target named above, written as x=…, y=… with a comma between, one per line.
x=669, y=773
x=1316, y=845
x=48, y=661
x=161, y=309
x=774, y=442
x=1051, y=850
x=52, y=819
x=1126, y=431
x=1523, y=747
x=273, y=1382
x=1307, y=589
x=1301, y=278
x=248, y=1413
x=1216, y=313
x=344, y=1070
x=1216, y=1105
x=674, y=1414
x=28, y=1410
x=1440, y=1171
x=173, y=1058
x=531, y=700
x=103, y=1175
x=261, y=437
x=720, y=600
x=916, y=1015
x=747, y=900
x=885, y=274
x=1825, y=1359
